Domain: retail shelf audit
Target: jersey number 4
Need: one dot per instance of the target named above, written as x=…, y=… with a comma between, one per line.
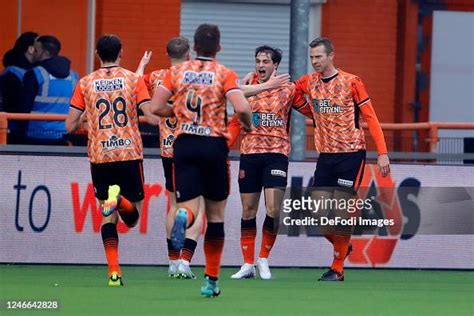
x=119, y=112
x=193, y=104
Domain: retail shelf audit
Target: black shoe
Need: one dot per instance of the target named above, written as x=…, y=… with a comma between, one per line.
x=349, y=250
x=332, y=275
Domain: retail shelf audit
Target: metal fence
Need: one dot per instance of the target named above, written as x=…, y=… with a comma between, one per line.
x=406, y=142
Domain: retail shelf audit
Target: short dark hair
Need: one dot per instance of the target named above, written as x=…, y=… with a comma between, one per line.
x=50, y=43
x=108, y=47
x=25, y=40
x=177, y=47
x=326, y=42
x=275, y=53
x=206, y=40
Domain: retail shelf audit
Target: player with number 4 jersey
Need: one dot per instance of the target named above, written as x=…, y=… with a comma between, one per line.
x=200, y=88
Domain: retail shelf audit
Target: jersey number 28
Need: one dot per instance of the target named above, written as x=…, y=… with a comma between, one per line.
x=120, y=112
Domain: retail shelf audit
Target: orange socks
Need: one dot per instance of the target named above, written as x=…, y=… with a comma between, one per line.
x=187, y=252
x=330, y=238
x=341, y=243
x=248, y=233
x=268, y=237
x=110, y=240
x=213, y=248
x=128, y=212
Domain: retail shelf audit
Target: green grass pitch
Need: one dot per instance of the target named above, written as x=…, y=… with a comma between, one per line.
x=82, y=290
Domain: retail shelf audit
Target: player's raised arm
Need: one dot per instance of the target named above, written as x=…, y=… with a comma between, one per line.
x=274, y=82
x=143, y=63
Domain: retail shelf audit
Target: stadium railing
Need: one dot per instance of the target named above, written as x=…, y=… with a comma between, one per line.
x=407, y=142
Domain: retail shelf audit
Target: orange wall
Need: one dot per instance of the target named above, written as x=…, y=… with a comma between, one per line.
x=364, y=34
x=65, y=19
x=406, y=61
x=8, y=30
x=142, y=25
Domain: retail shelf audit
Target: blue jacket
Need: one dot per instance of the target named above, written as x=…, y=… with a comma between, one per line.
x=53, y=97
x=17, y=71
x=11, y=89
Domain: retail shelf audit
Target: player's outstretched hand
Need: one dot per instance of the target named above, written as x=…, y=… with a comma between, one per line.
x=276, y=81
x=143, y=63
x=384, y=164
x=146, y=58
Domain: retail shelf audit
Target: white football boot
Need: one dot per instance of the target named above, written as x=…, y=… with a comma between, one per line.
x=247, y=271
x=184, y=271
x=263, y=269
x=173, y=268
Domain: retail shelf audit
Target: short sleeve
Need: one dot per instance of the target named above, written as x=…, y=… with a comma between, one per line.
x=142, y=92
x=168, y=81
x=77, y=100
x=231, y=81
x=146, y=79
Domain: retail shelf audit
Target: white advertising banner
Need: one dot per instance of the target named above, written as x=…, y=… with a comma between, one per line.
x=49, y=215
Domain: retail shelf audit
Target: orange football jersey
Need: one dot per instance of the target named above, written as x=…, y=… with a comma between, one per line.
x=167, y=125
x=200, y=87
x=335, y=106
x=110, y=98
x=271, y=120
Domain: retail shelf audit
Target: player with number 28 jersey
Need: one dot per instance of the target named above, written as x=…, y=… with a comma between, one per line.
x=111, y=96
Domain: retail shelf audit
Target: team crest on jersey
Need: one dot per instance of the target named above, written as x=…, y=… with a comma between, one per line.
x=256, y=119
x=168, y=141
x=109, y=85
x=171, y=123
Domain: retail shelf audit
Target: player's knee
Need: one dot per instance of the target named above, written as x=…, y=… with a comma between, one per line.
x=249, y=212
x=272, y=210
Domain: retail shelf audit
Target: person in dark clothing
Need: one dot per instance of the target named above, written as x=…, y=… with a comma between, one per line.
x=48, y=88
x=16, y=61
